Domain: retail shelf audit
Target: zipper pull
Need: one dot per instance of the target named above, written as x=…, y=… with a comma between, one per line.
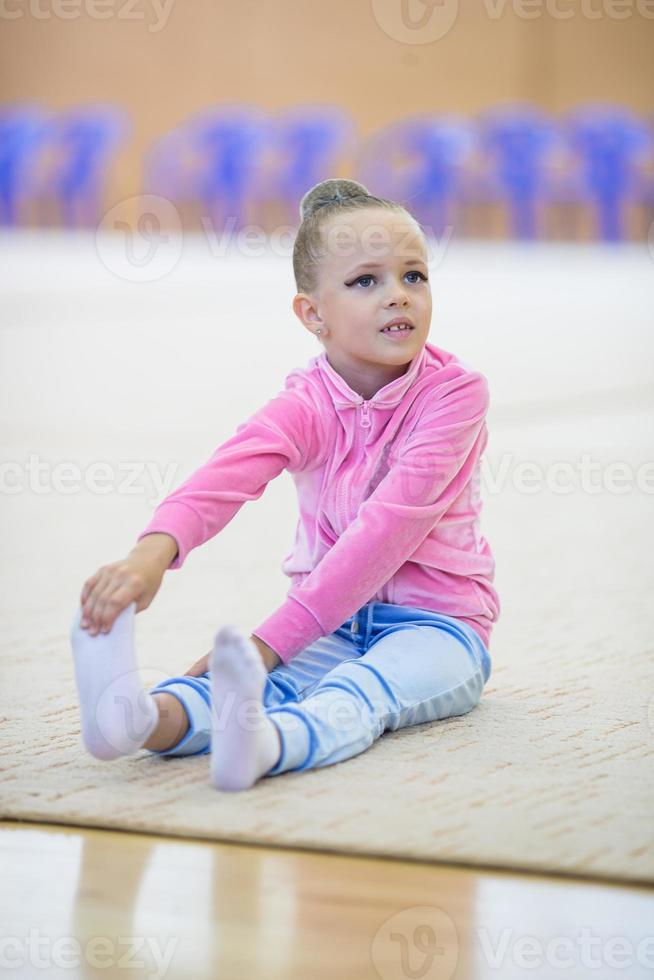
x=365, y=418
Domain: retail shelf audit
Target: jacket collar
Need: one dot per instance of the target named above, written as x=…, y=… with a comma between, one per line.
x=389, y=396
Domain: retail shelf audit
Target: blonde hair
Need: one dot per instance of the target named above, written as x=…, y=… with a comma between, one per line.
x=321, y=202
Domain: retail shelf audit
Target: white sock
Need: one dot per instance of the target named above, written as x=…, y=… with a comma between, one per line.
x=118, y=715
x=245, y=743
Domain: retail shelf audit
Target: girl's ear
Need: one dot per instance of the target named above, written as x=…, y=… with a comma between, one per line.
x=305, y=309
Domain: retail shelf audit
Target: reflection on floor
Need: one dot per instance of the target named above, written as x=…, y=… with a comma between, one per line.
x=81, y=903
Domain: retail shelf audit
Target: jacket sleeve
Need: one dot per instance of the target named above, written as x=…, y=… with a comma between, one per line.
x=434, y=465
x=276, y=437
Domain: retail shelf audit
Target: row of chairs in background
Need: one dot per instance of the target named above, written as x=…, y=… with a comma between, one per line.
x=231, y=159
x=65, y=156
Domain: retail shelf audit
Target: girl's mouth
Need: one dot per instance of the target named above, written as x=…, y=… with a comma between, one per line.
x=397, y=333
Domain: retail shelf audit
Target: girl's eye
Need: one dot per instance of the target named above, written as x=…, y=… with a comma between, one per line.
x=413, y=272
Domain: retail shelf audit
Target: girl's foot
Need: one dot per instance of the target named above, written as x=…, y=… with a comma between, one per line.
x=118, y=715
x=245, y=744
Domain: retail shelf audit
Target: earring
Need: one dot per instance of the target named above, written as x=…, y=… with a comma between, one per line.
x=319, y=330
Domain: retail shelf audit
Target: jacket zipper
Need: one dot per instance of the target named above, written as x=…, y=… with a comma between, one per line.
x=365, y=423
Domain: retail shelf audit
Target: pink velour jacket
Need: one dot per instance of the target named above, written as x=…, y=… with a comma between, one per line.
x=388, y=492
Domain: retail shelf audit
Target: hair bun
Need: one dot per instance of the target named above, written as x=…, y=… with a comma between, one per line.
x=327, y=192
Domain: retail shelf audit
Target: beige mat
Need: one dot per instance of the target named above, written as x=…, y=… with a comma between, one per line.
x=551, y=772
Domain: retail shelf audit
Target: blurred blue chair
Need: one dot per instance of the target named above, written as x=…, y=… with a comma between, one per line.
x=83, y=142
x=168, y=166
x=420, y=162
x=517, y=140
x=611, y=141
x=214, y=158
x=24, y=129
x=231, y=141
x=306, y=144
x=644, y=185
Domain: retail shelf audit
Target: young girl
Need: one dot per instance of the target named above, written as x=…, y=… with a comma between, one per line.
x=388, y=617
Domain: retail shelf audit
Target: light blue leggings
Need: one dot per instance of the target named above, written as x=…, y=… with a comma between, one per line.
x=386, y=667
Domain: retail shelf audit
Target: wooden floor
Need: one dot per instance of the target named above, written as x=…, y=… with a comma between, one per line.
x=80, y=902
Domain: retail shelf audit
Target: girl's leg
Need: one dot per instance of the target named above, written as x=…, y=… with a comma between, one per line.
x=285, y=684
x=411, y=674
x=172, y=725
x=117, y=715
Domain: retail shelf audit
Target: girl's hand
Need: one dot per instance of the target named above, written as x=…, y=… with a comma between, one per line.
x=200, y=666
x=115, y=586
x=268, y=655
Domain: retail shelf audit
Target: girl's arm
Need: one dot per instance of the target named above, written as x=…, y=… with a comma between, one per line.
x=436, y=463
x=268, y=655
x=135, y=579
x=275, y=438
x=160, y=548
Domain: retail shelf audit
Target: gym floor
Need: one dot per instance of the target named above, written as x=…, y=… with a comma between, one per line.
x=80, y=903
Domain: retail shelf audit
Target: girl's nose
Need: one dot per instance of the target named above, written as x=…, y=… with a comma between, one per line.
x=398, y=298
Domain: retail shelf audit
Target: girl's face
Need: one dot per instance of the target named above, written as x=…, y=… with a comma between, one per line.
x=375, y=271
